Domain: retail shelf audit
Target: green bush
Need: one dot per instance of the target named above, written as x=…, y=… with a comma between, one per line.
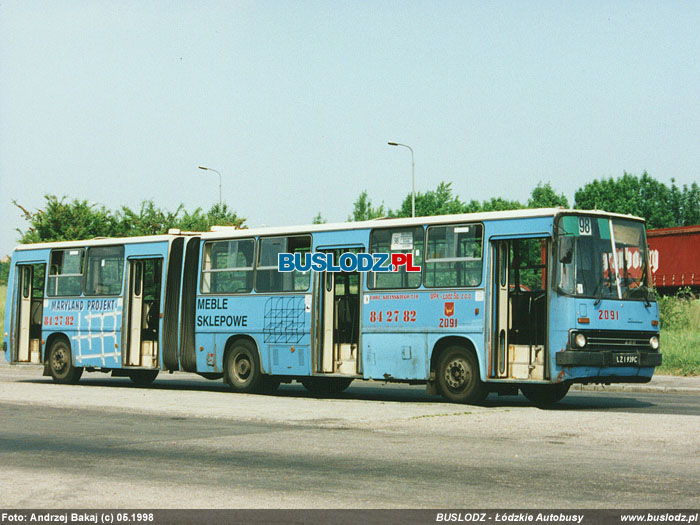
x=680, y=333
x=675, y=310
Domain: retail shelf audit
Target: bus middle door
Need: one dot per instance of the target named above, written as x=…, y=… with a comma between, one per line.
x=340, y=319
x=143, y=321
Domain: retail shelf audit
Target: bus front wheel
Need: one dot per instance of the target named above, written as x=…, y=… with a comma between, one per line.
x=543, y=395
x=458, y=376
x=61, y=364
x=243, y=368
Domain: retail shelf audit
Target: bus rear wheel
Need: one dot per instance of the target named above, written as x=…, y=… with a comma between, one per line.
x=143, y=377
x=61, y=364
x=458, y=376
x=243, y=368
x=543, y=395
x=325, y=386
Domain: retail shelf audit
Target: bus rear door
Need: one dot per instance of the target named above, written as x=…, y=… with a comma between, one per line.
x=29, y=284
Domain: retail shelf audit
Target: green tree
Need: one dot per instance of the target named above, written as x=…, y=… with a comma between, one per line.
x=363, y=209
x=501, y=204
x=199, y=221
x=544, y=196
x=644, y=196
x=4, y=272
x=63, y=221
x=319, y=219
x=441, y=201
x=149, y=220
x=438, y=202
x=685, y=204
x=77, y=219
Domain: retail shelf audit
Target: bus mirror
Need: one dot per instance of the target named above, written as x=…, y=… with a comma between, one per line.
x=566, y=249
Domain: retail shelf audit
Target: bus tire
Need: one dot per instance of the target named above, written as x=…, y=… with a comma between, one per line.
x=243, y=368
x=544, y=395
x=458, y=376
x=143, y=377
x=61, y=364
x=326, y=386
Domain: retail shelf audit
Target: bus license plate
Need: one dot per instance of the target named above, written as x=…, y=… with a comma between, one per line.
x=626, y=359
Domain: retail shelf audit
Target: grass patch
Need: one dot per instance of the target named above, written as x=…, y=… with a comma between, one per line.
x=440, y=415
x=680, y=335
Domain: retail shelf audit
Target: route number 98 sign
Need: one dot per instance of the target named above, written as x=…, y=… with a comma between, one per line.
x=584, y=226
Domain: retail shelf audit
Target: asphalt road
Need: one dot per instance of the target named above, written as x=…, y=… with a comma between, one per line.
x=189, y=443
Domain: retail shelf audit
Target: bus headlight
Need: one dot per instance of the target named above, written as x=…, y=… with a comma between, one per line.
x=580, y=340
x=654, y=342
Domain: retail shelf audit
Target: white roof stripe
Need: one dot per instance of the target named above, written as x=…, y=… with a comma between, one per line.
x=101, y=241
x=224, y=232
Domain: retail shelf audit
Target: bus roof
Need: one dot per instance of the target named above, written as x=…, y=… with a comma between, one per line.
x=98, y=241
x=221, y=232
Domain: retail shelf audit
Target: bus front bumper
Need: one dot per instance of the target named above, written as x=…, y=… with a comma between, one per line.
x=608, y=359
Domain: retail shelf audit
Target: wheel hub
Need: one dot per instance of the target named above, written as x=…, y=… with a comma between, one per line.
x=457, y=374
x=242, y=368
x=58, y=360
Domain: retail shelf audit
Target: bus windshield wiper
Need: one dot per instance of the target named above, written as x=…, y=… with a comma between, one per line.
x=599, y=288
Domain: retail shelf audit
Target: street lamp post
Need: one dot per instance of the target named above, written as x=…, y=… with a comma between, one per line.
x=219, y=174
x=413, y=177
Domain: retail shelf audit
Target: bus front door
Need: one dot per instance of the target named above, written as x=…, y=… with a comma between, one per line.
x=143, y=321
x=340, y=320
x=30, y=302
x=518, y=330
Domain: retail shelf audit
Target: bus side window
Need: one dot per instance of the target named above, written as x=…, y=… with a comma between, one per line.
x=454, y=256
x=105, y=271
x=227, y=266
x=267, y=276
x=66, y=273
x=400, y=240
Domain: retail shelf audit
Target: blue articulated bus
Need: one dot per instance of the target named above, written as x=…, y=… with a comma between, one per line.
x=528, y=300
x=110, y=305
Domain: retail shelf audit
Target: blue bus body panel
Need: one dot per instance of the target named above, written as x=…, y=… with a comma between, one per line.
x=609, y=314
x=401, y=328
x=93, y=326
x=280, y=325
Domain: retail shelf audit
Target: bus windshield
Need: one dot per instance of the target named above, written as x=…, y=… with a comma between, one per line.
x=602, y=258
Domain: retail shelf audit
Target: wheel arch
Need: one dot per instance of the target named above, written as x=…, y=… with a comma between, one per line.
x=231, y=342
x=51, y=339
x=446, y=342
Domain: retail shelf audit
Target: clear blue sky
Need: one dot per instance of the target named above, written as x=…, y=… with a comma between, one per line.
x=294, y=101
